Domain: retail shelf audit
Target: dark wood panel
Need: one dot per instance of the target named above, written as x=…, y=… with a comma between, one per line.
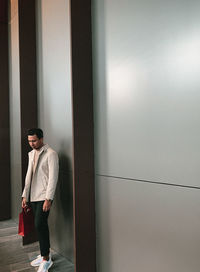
x=28, y=80
x=5, y=193
x=4, y=11
x=83, y=136
x=28, y=75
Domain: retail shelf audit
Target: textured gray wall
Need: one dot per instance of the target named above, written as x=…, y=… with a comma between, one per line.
x=15, y=125
x=55, y=114
x=146, y=85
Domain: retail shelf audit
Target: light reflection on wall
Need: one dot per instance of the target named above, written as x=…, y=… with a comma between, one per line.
x=123, y=81
x=183, y=59
x=174, y=66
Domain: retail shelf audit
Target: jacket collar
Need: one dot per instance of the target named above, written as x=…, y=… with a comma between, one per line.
x=42, y=149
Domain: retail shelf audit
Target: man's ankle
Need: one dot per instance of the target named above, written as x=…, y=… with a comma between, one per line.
x=46, y=258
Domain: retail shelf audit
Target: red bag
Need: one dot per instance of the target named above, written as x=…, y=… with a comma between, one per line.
x=26, y=221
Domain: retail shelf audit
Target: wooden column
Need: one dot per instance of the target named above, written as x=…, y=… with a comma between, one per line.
x=28, y=79
x=5, y=192
x=83, y=136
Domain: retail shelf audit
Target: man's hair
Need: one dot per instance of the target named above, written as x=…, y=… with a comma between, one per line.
x=35, y=131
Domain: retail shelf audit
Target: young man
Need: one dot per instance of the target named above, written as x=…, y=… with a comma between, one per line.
x=39, y=190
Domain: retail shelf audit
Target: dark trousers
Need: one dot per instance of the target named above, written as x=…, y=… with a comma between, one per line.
x=41, y=225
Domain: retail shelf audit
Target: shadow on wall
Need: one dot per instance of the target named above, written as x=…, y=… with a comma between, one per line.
x=65, y=186
x=61, y=218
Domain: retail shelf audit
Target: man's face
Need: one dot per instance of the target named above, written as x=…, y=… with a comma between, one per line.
x=34, y=142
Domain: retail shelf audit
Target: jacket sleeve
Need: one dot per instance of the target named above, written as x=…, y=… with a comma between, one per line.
x=27, y=186
x=53, y=164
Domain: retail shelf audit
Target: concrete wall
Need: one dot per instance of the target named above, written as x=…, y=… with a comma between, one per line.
x=146, y=87
x=15, y=121
x=55, y=113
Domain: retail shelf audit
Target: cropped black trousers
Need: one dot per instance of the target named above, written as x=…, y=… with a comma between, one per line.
x=41, y=225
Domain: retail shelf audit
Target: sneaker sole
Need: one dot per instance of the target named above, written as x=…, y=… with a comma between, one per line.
x=35, y=265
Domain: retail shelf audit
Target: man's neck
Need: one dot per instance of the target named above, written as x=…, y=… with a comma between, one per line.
x=39, y=148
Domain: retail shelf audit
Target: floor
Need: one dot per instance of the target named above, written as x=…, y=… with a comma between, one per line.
x=15, y=258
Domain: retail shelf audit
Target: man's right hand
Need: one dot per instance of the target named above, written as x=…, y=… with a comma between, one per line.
x=24, y=202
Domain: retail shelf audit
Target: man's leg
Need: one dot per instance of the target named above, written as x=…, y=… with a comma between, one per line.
x=41, y=224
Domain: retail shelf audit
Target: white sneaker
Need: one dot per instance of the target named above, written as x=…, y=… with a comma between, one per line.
x=37, y=261
x=45, y=265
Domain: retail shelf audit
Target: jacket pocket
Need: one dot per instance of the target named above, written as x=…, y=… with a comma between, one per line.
x=44, y=182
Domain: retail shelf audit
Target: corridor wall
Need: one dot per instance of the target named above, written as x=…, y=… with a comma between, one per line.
x=55, y=112
x=146, y=87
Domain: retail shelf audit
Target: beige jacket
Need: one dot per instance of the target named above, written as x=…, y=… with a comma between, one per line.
x=43, y=181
